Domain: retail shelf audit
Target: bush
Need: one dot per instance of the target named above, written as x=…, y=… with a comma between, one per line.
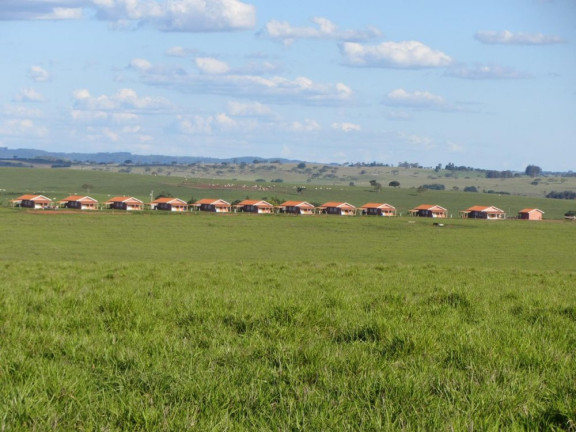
x=433, y=186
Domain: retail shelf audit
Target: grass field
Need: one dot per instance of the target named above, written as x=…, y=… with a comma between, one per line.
x=155, y=321
x=59, y=183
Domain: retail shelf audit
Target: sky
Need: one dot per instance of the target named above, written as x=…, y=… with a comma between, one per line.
x=483, y=83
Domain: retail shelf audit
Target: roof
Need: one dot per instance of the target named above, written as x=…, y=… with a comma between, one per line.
x=30, y=197
x=168, y=200
x=80, y=198
x=296, y=204
x=337, y=204
x=257, y=203
x=213, y=201
x=377, y=205
x=124, y=199
x=530, y=210
x=485, y=209
x=429, y=207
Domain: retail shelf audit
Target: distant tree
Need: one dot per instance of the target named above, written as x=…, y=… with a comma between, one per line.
x=533, y=170
x=377, y=186
x=351, y=184
x=470, y=189
x=127, y=161
x=394, y=184
x=87, y=187
x=300, y=189
x=301, y=165
x=438, y=167
x=278, y=180
x=433, y=186
x=164, y=194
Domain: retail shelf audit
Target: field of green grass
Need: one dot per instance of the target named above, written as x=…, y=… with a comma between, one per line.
x=116, y=321
x=58, y=183
x=154, y=321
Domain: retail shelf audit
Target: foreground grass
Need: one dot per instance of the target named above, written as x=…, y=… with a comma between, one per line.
x=285, y=346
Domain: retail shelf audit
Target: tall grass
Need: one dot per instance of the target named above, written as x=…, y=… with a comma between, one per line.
x=285, y=346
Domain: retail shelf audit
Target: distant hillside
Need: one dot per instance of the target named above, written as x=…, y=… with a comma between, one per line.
x=121, y=157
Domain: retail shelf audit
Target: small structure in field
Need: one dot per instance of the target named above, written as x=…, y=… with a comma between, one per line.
x=530, y=214
x=124, y=203
x=483, y=212
x=429, y=210
x=169, y=204
x=338, y=208
x=32, y=201
x=254, y=206
x=378, y=209
x=212, y=205
x=79, y=202
x=296, y=207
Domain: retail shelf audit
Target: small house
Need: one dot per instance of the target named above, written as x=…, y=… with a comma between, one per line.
x=169, y=204
x=124, y=203
x=429, y=210
x=79, y=202
x=213, y=205
x=530, y=214
x=254, y=206
x=296, y=207
x=338, y=208
x=483, y=212
x=378, y=209
x=32, y=201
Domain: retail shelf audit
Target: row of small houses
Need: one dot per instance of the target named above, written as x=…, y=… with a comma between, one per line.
x=262, y=207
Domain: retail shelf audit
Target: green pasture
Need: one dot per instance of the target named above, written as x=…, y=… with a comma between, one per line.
x=115, y=321
x=59, y=183
x=284, y=346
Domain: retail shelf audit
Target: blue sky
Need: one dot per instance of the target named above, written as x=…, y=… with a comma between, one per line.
x=489, y=84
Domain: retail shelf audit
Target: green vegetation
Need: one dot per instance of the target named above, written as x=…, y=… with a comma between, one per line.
x=159, y=321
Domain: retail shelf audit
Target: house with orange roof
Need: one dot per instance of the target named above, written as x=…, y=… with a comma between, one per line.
x=169, y=204
x=124, y=203
x=429, y=210
x=378, y=209
x=79, y=202
x=483, y=212
x=530, y=214
x=32, y=201
x=212, y=205
x=296, y=207
x=338, y=208
x=254, y=206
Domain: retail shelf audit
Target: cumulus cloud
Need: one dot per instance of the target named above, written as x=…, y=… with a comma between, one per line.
x=481, y=72
x=208, y=65
x=325, y=29
x=275, y=89
x=249, y=109
x=420, y=100
x=400, y=55
x=38, y=74
x=507, y=37
x=22, y=128
x=166, y=15
x=123, y=100
x=346, y=127
x=178, y=51
x=29, y=95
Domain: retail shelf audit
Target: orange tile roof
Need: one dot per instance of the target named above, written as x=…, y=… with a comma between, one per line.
x=168, y=200
x=428, y=207
x=296, y=204
x=210, y=201
x=30, y=197
x=483, y=209
x=260, y=203
x=337, y=204
x=529, y=210
x=377, y=205
x=124, y=199
x=80, y=198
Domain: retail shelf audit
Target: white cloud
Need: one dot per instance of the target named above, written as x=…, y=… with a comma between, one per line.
x=141, y=65
x=209, y=65
x=22, y=128
x=38, y=74
x=507, y=37
x=178, y=51
x=326, y=29
x=29, y=95
x=401, y=55
x=346, y=127
x=20, y=111
x=304, y=126
x=249, y=109
x=123, y=100
x=418, y=100
x=274, y=89
x=166, y=15
x=480, y=72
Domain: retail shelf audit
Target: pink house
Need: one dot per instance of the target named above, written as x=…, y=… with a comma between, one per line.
x=530, y=214
x=32, y=201
x=124, y=203
x=79, y=202
x=378, y=209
